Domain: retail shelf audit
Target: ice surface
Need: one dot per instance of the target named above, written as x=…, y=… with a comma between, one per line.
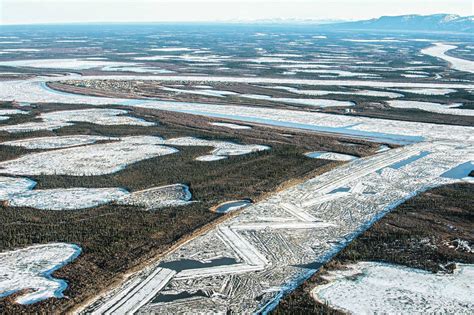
x=96, y=159
x=433, y=107
x=14, y=185
x=30, y=268
x=56, y=142
x=370, y=287
x=66, y=198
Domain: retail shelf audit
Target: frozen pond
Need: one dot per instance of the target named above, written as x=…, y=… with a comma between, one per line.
x=460, y=171
x=394, y=289
x=30, y=270
x=232, y=206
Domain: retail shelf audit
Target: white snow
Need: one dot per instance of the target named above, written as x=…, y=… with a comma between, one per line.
x=96, y=159
x=439, y=51
x=433, y=107
x=325, y=92
x=75, y=64
x=30, y=268
x=56, y=142
x=300, y=101
x=331, y=156
x=428, y=91
x=393, y=289
x=158, y=197
x=13, y=185
x=59, y=119
x=222, y=149
x=66, y=198
x=230, y=125
x=99, y=116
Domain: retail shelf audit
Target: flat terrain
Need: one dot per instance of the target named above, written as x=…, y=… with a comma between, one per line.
x=118, y=143
x=424, y=233
x=115, y=238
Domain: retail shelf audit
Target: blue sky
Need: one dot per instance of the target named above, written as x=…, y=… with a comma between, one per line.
x=60, y=11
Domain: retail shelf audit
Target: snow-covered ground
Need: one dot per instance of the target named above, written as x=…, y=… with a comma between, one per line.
x=324, y=92
x=274, y=240
x=10, y=186
x=33, y=90
x=158, y=197
x=393, y=289
x=95, y=159
x=59, y=119
x=30, y=269
x=222, y=149
x=74, y=64
x=427, y=91
x=439, y=50
x=56, y=142
x=66, y=198
x=300, y=101
x=330, y=156
x=6, y=113
x=433, y=107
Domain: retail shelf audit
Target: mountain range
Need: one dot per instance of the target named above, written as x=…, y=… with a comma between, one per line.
x=426, y=23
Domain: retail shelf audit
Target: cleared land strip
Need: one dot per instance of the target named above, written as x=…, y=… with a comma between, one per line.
x=129, y=301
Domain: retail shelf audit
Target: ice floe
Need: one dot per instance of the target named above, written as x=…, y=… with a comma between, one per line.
x=433, y=107
x=393, y=289
x=29, y=270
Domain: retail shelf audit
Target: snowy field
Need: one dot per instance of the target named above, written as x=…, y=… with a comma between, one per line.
x=10, y=186
x=334, y=156
x=30, y=269
x=66, y=198
x=59, y=119
x=158, y=197
x=47, y=143
x=95, y=159
x=393, y=289
x=433, y=107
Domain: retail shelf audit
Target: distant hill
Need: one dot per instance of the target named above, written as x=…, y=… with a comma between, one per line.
x=425, y=23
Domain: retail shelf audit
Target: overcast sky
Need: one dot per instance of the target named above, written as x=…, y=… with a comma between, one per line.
x=60, y=11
